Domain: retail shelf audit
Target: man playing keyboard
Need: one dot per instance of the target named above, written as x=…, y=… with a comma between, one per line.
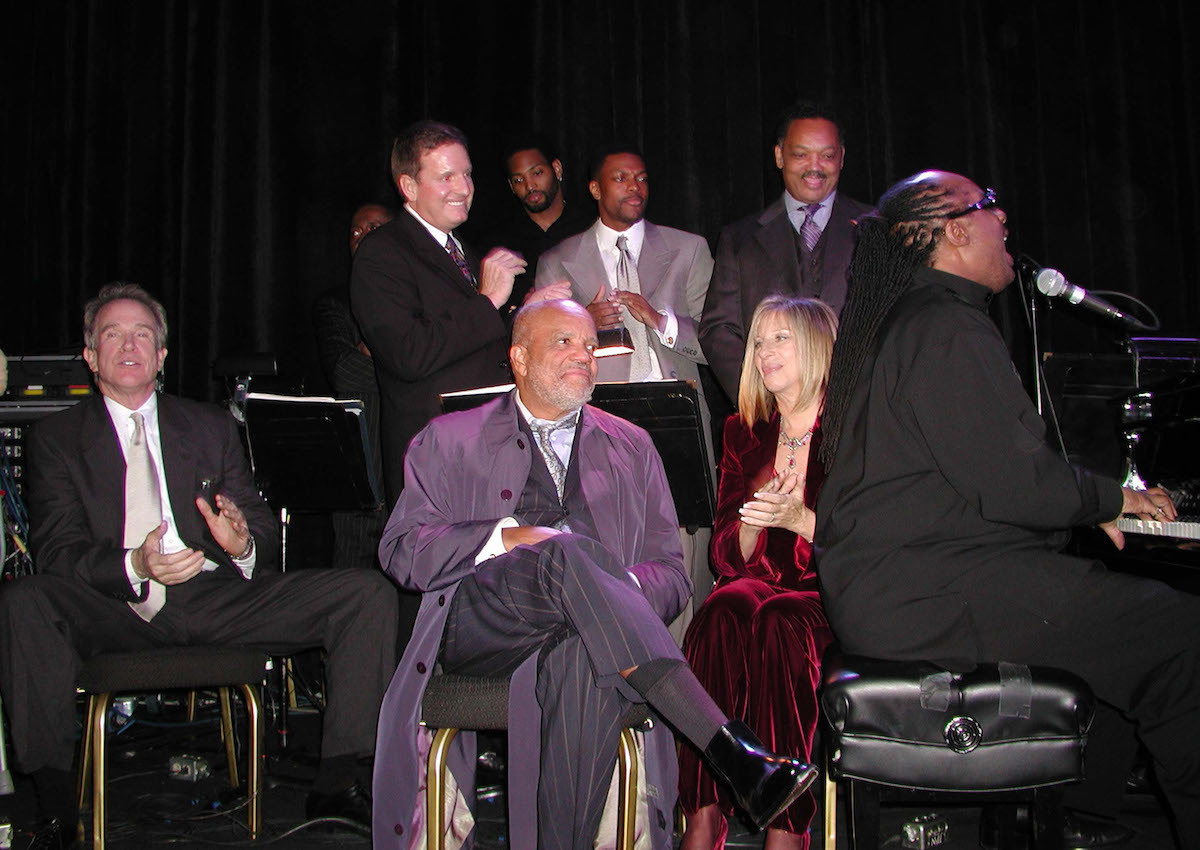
x=942, y=519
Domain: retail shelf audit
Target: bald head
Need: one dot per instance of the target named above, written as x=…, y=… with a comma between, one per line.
x=553, y=358
x=529, y=316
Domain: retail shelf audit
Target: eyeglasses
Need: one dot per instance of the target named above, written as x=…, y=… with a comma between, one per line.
x=985, y=203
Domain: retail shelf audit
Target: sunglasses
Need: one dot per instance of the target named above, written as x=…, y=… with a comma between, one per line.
x=985, y=203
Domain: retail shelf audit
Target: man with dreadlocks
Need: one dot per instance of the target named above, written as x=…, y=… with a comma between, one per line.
x=944, y=511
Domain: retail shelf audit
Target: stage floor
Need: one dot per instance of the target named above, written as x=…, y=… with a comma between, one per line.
x=147, y=808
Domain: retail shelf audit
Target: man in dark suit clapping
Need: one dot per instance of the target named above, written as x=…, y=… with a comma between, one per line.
x=131, y=556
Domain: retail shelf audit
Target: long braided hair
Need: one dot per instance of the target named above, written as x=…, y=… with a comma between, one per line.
x=892, y=243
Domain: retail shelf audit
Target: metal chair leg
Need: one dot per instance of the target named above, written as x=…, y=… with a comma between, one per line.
x=830, y=810
x=627, y=790
x=254, y=777
x=435, y=788
x=83, y=782
x=227, y=735
x=99, y=713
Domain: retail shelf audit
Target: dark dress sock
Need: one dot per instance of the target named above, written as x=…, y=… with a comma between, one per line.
x=336, y=774
x=673, y=690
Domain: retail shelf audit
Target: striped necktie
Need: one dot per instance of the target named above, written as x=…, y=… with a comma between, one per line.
x=810, y=234
x=456, y=254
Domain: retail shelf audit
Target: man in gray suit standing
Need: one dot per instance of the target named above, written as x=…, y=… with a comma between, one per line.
x=799, y=245
x=651, y=279
x=541, y=534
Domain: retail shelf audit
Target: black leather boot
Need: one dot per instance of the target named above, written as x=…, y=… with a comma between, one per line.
x=763, y=783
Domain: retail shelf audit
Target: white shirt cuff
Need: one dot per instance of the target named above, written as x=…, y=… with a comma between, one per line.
x=135, y=581
x=247, y=566
x=669, y=335
x=495, y=543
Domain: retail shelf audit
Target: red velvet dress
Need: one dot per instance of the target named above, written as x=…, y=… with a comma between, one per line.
x=756, y=642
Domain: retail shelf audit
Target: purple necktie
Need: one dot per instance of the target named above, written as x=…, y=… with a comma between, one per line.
x=809, y=232
x=459, y=260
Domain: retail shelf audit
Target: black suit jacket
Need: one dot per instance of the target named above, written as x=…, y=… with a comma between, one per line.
x=350, y=372
x=756, y=257
x=429, y=331
x=77, y=490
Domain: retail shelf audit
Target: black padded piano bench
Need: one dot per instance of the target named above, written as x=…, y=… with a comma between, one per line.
x=999, y=729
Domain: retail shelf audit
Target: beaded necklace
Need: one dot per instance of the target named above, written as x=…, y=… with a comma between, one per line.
x=794, y=443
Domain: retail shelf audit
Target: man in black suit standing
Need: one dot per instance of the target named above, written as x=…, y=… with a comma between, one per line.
x=131, y=556
x=799, y=245
x=429, y=309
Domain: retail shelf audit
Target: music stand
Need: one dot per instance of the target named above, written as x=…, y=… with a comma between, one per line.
x=670, y=412
x=308, y=453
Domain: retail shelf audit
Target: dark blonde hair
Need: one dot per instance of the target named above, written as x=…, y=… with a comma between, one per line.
x=814, y=327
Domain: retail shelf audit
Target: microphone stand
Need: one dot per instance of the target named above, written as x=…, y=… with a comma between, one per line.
x=1029, y=288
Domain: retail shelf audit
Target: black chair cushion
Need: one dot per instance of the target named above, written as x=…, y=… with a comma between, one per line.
x=172, y=667
x=915, y=725
x=481, y=703
x=466, y=702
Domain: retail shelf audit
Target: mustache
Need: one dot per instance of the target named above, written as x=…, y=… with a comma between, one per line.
x=815, y=173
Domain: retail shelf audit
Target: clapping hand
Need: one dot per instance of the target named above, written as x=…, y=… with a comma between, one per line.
x=780, y=504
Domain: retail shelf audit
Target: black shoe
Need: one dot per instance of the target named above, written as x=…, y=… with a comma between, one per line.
x=763, y=783
x=352, y=804
x=1080, y=831
x=55, y=834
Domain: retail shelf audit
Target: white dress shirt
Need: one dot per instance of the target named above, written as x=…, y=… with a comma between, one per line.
x=171, y=541
x=610, y=256
x=439, y=236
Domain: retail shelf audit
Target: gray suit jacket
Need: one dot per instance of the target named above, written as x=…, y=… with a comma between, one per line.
x=756, y=257
x=674, y=268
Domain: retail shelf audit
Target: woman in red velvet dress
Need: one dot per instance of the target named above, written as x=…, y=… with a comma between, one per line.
x=756, y=642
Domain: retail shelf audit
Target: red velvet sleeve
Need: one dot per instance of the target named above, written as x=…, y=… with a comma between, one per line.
x=780, y=557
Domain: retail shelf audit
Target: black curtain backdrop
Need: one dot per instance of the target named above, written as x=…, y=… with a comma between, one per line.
x=213, y=151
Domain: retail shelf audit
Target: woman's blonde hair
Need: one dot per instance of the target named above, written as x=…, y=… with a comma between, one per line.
x=814, y=327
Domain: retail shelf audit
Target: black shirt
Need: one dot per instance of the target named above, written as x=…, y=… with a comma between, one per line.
x=522, y=234
x=944, y=490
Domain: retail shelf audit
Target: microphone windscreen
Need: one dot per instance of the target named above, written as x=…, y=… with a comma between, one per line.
x=1051, y=282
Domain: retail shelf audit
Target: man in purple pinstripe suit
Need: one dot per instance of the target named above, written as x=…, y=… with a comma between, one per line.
x=542, y=536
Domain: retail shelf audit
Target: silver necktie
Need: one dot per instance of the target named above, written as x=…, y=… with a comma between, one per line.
x=627, y=279
x=557, y=470
x=143, y=510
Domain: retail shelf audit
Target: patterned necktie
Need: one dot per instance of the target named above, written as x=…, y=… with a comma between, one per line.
x=542, y=432
x=459, y=260
x=810, y=234
x=143, y=510
x=627, y=279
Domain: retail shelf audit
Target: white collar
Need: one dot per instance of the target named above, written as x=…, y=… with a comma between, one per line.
x=439, y=236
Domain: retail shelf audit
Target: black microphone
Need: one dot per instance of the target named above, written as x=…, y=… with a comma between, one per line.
x=1051, y=282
